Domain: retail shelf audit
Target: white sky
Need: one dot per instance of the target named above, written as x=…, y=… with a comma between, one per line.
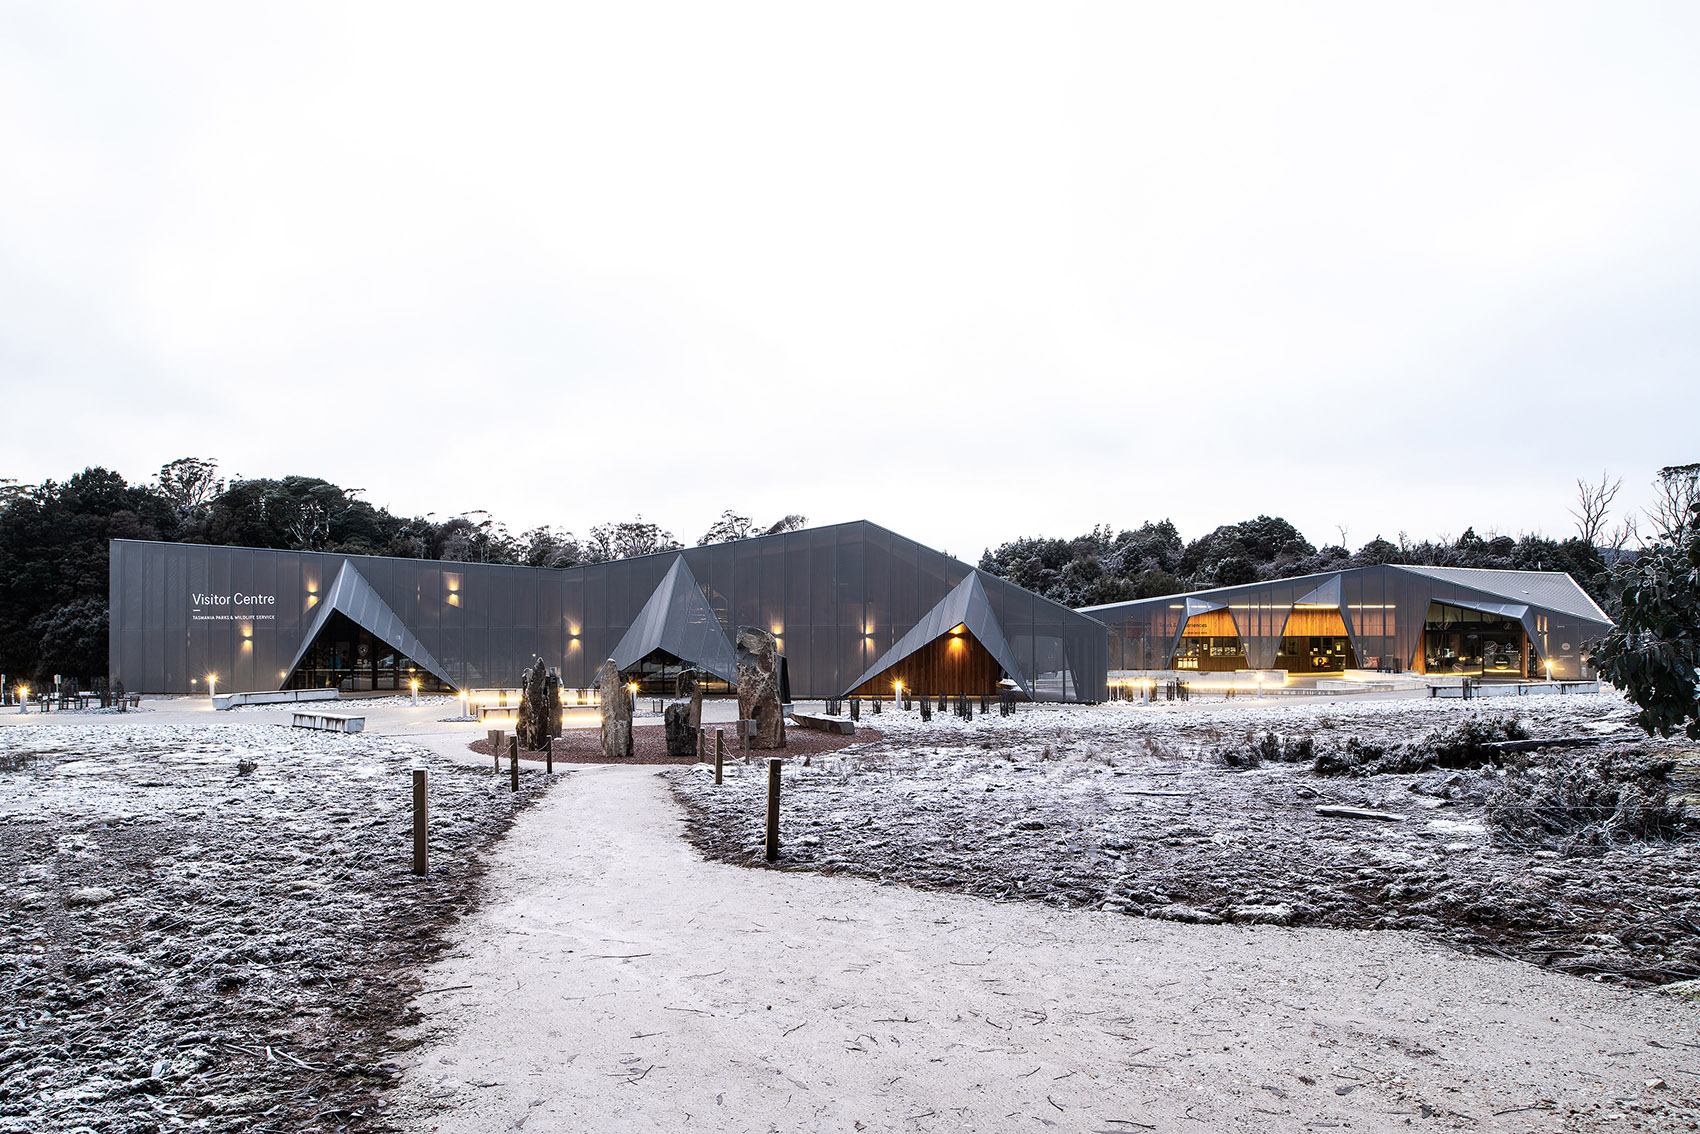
x=971, y=272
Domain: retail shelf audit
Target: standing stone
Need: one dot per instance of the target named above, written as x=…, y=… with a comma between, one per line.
x=758, y=686
x=532, y=725
x=690, y=689
x=552, y=698
x=683, y=716
x=681, y=737
x=616, y=712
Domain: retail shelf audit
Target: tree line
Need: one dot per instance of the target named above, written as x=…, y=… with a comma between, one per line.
x=1105, y=565
x=54, y=540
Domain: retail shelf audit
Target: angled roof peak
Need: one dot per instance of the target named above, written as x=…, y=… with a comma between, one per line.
x=1555, y=590
x=678, y=620
x=351, y=595
x=967, y=605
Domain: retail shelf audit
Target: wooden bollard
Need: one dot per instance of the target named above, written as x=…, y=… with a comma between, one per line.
x=773, y=763
x=719, y=753
x=419, y=828
x=495, y=736
x=513, y=760
x=549, y=755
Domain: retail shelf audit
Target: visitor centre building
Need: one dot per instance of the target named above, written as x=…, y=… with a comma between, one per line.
x=856, y=609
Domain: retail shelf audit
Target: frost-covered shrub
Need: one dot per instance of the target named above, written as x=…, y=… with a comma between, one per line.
x=1468, y=744
x=1267, y=748
x=1583, y=804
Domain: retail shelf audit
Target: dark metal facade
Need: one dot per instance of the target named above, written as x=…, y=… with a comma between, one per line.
x=1385, y=610
x=837, y=597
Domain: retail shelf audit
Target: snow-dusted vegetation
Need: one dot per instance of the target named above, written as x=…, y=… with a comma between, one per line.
x=1171, y=812
x=214, y=926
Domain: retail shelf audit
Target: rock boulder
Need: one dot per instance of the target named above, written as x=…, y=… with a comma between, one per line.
x=758, y=686
x=616, y=712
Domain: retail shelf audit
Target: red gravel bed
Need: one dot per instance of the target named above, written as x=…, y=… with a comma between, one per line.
x=649, y=745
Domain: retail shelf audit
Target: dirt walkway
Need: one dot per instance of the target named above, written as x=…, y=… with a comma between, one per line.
x=615, y=981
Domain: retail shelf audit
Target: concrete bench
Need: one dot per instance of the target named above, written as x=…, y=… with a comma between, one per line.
x=843, y=726
x=327, y=722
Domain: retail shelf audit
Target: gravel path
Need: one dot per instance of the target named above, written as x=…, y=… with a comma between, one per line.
x=618, y=982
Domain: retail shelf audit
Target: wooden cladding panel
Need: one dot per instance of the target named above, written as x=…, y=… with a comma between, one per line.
x=1211, y=624
x=1315, y=624
x=948, y=665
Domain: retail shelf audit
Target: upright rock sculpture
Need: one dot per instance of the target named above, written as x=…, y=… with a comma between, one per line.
x=532, y=726
x=683, y=716
x=616, y=712
x=690, y=689
x=552, y=698
x=758, y=686
x=681, y=737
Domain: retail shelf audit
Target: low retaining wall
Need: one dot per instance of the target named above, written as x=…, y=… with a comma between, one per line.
x=1512, y=689
x=273, y=697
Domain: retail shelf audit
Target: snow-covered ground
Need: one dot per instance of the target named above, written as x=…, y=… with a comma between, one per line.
x=617, y=982
x=213, y=924
x=186, y=942
x=1124, y=808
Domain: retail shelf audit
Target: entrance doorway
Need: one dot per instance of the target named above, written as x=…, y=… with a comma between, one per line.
x=1460, y=640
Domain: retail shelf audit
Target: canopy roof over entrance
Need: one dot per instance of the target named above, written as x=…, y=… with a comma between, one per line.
x=967, y=606
x=351, y=595
x=677, y=620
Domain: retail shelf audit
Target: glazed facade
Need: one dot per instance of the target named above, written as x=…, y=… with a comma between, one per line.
x=1433, y=620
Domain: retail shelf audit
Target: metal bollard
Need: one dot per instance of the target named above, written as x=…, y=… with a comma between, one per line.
x=419, y=828
x=773, y=765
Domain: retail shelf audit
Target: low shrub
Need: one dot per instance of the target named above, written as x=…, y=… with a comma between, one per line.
x=1584, y=804
x=1467, y=744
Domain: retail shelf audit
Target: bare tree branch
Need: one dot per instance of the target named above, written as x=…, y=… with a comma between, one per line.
x=1593, y=505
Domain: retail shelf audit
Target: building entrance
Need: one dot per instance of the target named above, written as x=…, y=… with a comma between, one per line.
x=1459, y=640
x=348, y=657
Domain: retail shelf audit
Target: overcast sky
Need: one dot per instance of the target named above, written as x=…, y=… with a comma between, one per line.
x=971, y=272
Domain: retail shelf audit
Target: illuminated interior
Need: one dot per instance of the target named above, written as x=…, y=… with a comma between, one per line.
x=348, y=657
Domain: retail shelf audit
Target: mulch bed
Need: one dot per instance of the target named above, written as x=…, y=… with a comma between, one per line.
x=649, y=745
